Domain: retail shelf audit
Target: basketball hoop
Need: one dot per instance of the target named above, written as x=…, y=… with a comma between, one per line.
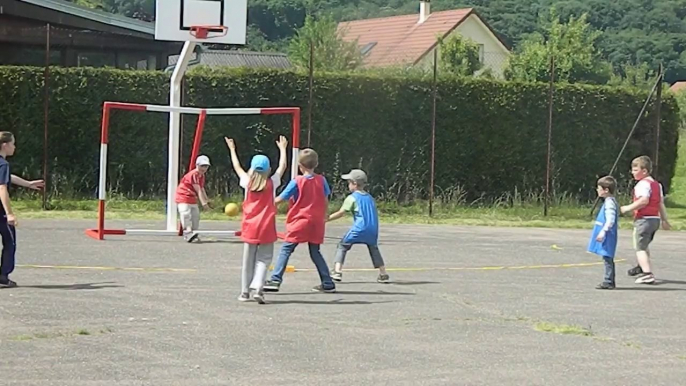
x=204, y=31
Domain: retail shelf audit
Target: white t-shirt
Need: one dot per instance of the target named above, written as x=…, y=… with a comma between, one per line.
x=276, y=181
x=642, y=189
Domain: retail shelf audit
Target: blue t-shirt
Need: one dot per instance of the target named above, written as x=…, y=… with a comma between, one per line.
x=291, y=190
x=365, y=229
x=5, y=178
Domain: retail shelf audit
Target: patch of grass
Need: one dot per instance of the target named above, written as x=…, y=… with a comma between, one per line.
x=564, y=329
x=53, y=335
x=44, y=335
x=677, y=196
x=524, y=215
x=633, y=345
x=682, y=357
x=23, y=337
x=603, y=339
x=518, y=319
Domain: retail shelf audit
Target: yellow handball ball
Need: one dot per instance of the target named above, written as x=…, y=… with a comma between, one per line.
x=231, y=209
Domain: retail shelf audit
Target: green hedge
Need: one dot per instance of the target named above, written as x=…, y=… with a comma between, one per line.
x=491, y=135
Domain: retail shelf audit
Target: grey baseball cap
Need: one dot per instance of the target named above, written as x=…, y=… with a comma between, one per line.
x=356, y=175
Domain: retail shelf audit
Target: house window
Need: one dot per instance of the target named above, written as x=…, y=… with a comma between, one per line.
x=481, y=53
x=367, y=48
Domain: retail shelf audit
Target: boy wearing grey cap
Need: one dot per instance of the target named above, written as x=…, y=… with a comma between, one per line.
x=365, y=229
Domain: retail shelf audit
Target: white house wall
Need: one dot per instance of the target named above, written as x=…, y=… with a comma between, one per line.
x=495, y=54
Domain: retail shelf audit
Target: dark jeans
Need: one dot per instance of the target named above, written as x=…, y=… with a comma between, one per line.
x=316, y=256
x=9, y=247
x=609, y=270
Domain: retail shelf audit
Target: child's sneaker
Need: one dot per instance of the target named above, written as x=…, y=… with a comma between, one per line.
x=646, y=278
x=635, y=271
x=191, y=237
x=5, y=282
x=244, y=297
x=320, y=288
x=259, y=297
x=605, y=286
x=272, y=286
x=336, y=276
x=384, y=279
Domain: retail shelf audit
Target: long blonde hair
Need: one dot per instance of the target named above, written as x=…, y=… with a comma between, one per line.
x=258, y=181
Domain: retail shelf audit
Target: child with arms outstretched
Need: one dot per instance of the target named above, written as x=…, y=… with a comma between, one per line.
x=258, y=223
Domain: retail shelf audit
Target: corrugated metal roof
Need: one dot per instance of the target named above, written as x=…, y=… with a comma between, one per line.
x=95, y=15
x=401, y=39
x=233, y=58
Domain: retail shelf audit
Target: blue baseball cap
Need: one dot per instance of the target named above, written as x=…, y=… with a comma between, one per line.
x=260, y=163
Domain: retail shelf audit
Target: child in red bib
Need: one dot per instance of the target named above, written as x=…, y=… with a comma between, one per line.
x=191, y=189
x=306, y=220
x=258, y=225
x=649, y=214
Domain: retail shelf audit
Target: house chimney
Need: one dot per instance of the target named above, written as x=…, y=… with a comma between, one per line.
x=424, y=10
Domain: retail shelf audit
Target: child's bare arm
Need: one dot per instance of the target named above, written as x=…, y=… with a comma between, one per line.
x=663, y=216
x=36, y=185
x=337, y=215
x=282, y=144
x=641, y=203
x=202, y=195
x=347, y=207
x=234, y=158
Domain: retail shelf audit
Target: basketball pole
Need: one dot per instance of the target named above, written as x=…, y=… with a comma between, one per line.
x=174, y=131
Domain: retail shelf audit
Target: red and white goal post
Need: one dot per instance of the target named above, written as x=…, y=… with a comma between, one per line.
x=173, y=177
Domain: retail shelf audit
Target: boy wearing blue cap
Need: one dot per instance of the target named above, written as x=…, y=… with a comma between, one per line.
x=365, y=229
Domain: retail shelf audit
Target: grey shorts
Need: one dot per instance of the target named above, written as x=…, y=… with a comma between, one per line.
x=644, y=232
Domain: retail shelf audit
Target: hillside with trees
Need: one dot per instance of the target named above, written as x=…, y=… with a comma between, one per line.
x=630, y=32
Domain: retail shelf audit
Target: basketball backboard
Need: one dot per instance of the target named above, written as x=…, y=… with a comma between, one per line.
x=174, y=19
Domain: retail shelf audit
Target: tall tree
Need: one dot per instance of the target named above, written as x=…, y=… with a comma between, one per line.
x=459, y=55
x=331, y=52
x=571, y=44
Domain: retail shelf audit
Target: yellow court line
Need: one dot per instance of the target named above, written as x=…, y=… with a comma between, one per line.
x=107, y=268
x=397, y=269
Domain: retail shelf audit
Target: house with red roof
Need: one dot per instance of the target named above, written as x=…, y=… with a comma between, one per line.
x=678, y=87
x=410, y=40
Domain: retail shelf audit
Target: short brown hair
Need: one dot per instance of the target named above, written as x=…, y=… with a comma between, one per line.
x=6, y=137
x=308, y=158
x=643, y=162
x=609, y=183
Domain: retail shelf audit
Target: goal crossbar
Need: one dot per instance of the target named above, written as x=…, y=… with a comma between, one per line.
x=172, y=183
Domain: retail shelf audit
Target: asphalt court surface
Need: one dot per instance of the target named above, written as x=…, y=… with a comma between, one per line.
x=462, y=309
